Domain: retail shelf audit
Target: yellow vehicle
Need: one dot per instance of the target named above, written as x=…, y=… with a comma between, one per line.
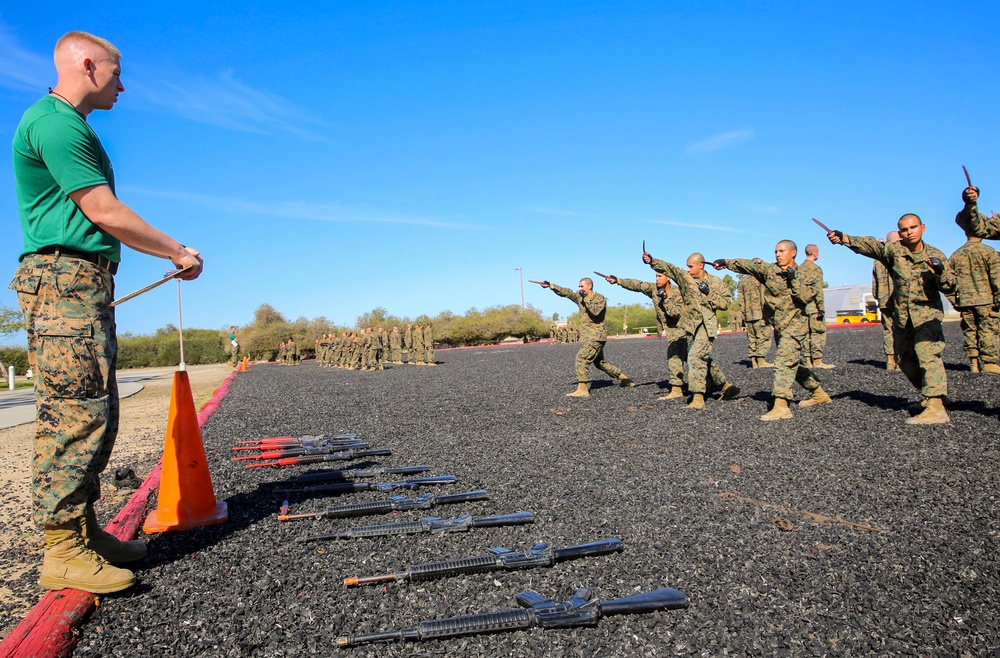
x=854, y=304
x=855, y=316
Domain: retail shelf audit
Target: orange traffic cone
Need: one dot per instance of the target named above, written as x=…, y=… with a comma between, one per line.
x=186, y=498
x=244, y=368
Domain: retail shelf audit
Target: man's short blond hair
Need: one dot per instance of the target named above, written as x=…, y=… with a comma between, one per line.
x=87, y=37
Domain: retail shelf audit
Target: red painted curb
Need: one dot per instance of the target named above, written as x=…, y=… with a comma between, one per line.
x=49, y=630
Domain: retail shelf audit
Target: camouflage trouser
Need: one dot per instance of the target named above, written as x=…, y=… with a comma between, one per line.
x=429, y=353
x=593, y=352
x=397, y=354
x=918, y=354
x=234, y=355
x=887, y=322
x=789, y=366
x=817, y=338
x=980, y=327
x=676, y=356
x=72, y=349
x=416, y=354
x=701, y=366
x=759, y=337
x=355, y=361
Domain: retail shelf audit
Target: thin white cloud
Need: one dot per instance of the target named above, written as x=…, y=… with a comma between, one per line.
x=23, y=70
x=556, y=211
x=224, y=101
x=720, y=142
x=709, y=227
x=300, y=210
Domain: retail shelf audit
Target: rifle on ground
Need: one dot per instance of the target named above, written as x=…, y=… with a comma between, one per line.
x=429, y=524
x=394, y=504
x=541, y=555
x=323, y=449
x=354, y=487
x=535, y=610
x=319, y=459
x=291, y=441
x=347, y=475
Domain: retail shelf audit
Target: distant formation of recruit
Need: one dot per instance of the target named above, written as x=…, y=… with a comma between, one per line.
x=909, y=277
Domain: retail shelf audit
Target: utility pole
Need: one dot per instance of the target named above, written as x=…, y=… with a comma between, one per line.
x=520, y=274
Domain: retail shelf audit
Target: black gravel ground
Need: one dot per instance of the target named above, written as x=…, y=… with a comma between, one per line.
x=619, y=464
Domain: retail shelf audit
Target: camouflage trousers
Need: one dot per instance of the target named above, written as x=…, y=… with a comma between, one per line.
x=234, y=355
x=918, y=355
x=416, y=353
x=72, y=348
x=817, y=338
x=701, y=366
x=759, y=337
x=980, y=329
x=887, y=342
x=676, y=356
x=789, y=365
x=429, y=353
x=592, y=352
x=397, y=355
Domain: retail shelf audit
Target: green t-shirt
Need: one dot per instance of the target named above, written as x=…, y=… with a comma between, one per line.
x=56, y=152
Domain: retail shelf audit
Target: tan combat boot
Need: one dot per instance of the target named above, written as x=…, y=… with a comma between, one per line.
x=762, y=362
x=991, y=368
x=697, y=401
x=675, y=392
x=818, y=363
x=107, y=545
x=625, y=381
x=890, y=363
x=974, y=365
x=933, y=414
x=69, y=564
x=779, y=411
x=729, y=391
x=819, y=397
x=582, y=391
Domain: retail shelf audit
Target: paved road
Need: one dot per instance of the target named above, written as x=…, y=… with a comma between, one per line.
x=18, y=407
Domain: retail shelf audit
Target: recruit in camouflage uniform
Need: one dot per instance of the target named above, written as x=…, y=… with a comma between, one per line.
x=396, y=345
x=386, y=346
x=293, y=352
x=790, y=292
x=281, y=354
x=974, y=223
x=751, y=295
x=669, y=306
x=702, y=298
x=882, y=290
x=920, y=273
x=408, y=343
x=977, y=298
x=736, y=318
x=417, y=352
x=429, y=344
x=593, y=307
x=815, y=310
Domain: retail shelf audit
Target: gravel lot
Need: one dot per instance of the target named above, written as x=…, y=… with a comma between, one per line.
x=761, y=580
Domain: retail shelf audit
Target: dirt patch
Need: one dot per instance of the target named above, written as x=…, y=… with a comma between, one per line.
x=139, y=447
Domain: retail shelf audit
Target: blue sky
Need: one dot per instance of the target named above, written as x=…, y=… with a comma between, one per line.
x=328, y=158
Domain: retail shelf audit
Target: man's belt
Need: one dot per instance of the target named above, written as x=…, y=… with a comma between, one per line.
x=88, y=256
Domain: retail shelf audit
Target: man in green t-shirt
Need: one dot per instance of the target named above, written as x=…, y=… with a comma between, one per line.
x=74, y=226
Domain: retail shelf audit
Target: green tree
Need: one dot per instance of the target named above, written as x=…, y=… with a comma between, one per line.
x=11, y=320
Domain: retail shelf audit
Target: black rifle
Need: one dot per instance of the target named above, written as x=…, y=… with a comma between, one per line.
x=354, y=487
x=347, y=475
x=429, y=524
x=541, y=555
x=535, y=610
x=394, y=504
x=319, y=459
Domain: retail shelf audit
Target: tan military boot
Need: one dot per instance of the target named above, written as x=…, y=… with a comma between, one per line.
x=697, y=401
x=819, y=397
x=582, y=391
x=890, y=363
x=729, y=391
x=67, y=563
x=675, y=392
x=779, y=411
x=625, y=381
x=818, y=363
x=107, y=545
x=974, y=365
x=762, y=362
x=933, y=414
x=991, y=368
